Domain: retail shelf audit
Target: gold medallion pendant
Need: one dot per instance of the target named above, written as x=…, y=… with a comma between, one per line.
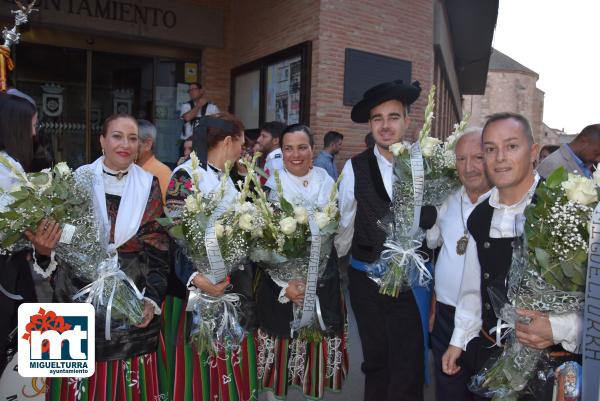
x=461, y=245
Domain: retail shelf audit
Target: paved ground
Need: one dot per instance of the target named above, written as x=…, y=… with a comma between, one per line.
x=353, y=386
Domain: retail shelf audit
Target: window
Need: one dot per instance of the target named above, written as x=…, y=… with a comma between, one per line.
x=273, y=88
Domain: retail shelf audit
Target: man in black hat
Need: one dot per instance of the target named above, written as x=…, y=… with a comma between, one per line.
x=390, y=328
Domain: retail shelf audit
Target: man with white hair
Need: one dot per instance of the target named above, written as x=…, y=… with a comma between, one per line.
x=451, y=234
x=146, y=158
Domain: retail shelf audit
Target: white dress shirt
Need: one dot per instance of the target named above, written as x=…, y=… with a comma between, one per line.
x=449, y=228
x=507, y=222
x=273, y=161
x=343, y=240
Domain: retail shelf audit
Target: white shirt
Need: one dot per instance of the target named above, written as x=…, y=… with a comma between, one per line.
x=449, y=228
x=343, y=240
x=185, y=107
x=273, y=161
x=507, y=222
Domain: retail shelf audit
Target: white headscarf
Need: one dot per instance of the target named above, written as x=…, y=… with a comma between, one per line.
x=133, y=200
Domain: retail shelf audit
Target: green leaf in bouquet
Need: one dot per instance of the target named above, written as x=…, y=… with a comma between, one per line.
x=542, y=257
x=567, y=268
x=10, y=215
x=286, y=206
x=556, y=178
x=39, y=179
x=10, y=239
x=165, y=221
x=177, y=232
x=578, y=278
x=20, y=195
x=553, y=274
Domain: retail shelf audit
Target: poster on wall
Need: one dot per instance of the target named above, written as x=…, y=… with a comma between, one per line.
x=283, y=91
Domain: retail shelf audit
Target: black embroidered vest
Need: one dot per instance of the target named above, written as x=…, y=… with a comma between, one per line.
x=372, y=204
x=495, y=256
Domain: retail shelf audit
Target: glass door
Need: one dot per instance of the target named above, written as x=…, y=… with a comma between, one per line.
x=120, y=84
x=55, y=77
x=75, y=90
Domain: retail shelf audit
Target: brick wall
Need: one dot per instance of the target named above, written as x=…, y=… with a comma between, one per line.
x=254, y=29
x=401, y=29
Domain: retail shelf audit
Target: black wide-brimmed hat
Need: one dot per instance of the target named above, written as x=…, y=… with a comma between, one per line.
x=395, y=90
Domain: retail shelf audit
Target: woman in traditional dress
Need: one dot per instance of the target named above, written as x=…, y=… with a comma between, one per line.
x=18, y=120
x=230, y=375
x=312, y=366
x=128, y=201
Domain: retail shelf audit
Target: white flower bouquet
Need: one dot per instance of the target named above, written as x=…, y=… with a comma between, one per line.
x=66, y=197
x=547, y=274
x=188, y=224
x=285, y=244
x=424, y=174
x=235, y=224
x=51, y=193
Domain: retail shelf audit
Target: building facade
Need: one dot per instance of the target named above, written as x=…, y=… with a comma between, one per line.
x=510, y=87
x=303, y=61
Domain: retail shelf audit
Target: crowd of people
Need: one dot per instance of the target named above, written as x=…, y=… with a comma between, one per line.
x=155, y=360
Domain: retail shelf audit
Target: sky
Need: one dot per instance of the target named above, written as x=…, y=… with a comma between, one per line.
x=560, y=40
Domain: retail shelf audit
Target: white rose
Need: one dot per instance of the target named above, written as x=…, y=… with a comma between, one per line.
x=300, y=214
x=63, y=169
x=428, y=146
x=399, y=148
x=219, y=229
x=322, y=219
x=288, y=225
x=580, y=189
x=245, y=222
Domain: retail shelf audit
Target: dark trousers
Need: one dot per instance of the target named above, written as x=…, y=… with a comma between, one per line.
x=447, y=388
x=392, y=341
